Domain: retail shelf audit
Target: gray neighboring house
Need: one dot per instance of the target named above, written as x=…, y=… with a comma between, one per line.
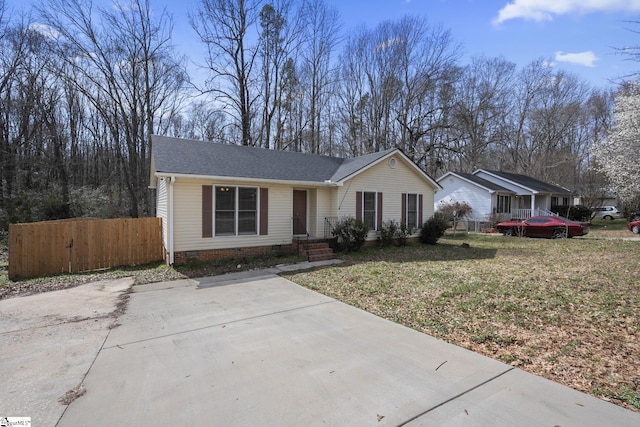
x=503, y=194
x=221, y=200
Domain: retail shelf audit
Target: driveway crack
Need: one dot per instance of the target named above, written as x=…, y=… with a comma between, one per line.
x=217, y=325
x=456, y=397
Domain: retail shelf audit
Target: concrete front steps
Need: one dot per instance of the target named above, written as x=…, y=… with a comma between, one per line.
x=315, y=250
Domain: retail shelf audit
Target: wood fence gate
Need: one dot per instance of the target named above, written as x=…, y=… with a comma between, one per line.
x=71, y=246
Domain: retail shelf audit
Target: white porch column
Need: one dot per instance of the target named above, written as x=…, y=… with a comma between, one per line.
x=533, y=204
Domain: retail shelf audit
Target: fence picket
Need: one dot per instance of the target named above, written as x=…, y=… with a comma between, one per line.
x=54, y=247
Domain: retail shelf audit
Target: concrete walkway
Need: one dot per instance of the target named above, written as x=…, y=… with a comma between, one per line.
x=256, y=349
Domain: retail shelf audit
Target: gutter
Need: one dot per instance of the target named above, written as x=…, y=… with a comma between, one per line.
x=326, y=183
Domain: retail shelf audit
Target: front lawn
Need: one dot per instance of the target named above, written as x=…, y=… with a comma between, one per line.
x=568, y=310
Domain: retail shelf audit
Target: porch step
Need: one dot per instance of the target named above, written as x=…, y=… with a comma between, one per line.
x=315, y=250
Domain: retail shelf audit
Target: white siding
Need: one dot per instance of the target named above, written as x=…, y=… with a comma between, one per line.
x=459, y=190
x=325, y=207
x=162, y=205
x=312, y=212
x=188, y=218
x=392, y=182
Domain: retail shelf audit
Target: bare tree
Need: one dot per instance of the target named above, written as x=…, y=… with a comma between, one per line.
x=480, y=111
x=224, y=26
x=400, y=78
x=122, y=63
x=280, y=36
x=322, y=35
x=353, y=95
x=429, y=69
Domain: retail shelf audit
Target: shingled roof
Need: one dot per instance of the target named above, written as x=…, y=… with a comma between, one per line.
x=191, y=157
x=481, y=182
x=530, y=183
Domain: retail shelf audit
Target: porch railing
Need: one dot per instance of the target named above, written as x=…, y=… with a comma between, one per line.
x=305, y=242
x=527, y=213
x=330, y=223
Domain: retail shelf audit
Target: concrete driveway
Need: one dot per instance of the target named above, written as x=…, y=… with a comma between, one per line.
x=240, y=350
x=48, y=342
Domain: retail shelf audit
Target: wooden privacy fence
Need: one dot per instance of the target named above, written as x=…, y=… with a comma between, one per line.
x=71, y=246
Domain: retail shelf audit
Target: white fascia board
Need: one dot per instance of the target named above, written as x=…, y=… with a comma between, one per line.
x=407, y=160
x=517, y=184
x=490, y=191
x=244, y=179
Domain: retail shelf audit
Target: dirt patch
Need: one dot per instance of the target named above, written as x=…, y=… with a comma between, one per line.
x=150, y=273
x=73, y=394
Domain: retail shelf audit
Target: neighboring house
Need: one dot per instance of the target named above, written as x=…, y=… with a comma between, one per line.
x=507, y=195
x=222, y=200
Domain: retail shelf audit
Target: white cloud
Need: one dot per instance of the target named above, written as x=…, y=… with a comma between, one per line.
x=389, y=43
x=586, y=59
x=545, y=10
x=45, y=30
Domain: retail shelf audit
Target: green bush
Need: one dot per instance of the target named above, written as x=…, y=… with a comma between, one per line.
x=351, y=233
x=434, y=229
x=388, y=232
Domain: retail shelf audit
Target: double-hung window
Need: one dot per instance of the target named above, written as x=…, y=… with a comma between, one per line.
x=369, y=205
x=236, y=210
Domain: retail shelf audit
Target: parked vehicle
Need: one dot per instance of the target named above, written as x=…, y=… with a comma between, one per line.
x=634, y=226
x=554, y=227
x=606, y=212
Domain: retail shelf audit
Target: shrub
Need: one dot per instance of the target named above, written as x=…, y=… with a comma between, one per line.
x=461, y=209
x=434, y=229
x=574, y=213
x=388, y=232
x=403, y=234
x=351, y=233
x=391, y=232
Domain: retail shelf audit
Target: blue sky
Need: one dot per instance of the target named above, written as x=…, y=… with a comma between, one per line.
x=579, y=36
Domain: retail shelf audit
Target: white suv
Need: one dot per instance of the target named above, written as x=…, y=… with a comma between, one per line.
x=606, y=212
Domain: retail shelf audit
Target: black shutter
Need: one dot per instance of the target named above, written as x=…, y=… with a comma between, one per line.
x=207, y=211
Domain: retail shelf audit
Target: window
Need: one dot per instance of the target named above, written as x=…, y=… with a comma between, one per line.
x=236, y=210
x=247, y=210
x=412, y=210
x=369, y=209
x=225, y=211
x=504, y=204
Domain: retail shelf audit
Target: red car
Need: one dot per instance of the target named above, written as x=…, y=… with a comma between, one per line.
x=634, y=226
x=555, y=227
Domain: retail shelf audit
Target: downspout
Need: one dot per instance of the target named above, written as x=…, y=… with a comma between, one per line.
x=170, y=225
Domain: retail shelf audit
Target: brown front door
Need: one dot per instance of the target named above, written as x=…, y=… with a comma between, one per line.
x=299, y=212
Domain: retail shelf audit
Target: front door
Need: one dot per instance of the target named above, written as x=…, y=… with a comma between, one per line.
x=299, y=212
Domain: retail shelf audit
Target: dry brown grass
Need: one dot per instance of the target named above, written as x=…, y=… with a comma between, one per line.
x=568, y=310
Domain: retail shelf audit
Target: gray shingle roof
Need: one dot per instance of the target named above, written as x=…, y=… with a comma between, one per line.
x=531, y=183
x=190, y=157
x=483, y=182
